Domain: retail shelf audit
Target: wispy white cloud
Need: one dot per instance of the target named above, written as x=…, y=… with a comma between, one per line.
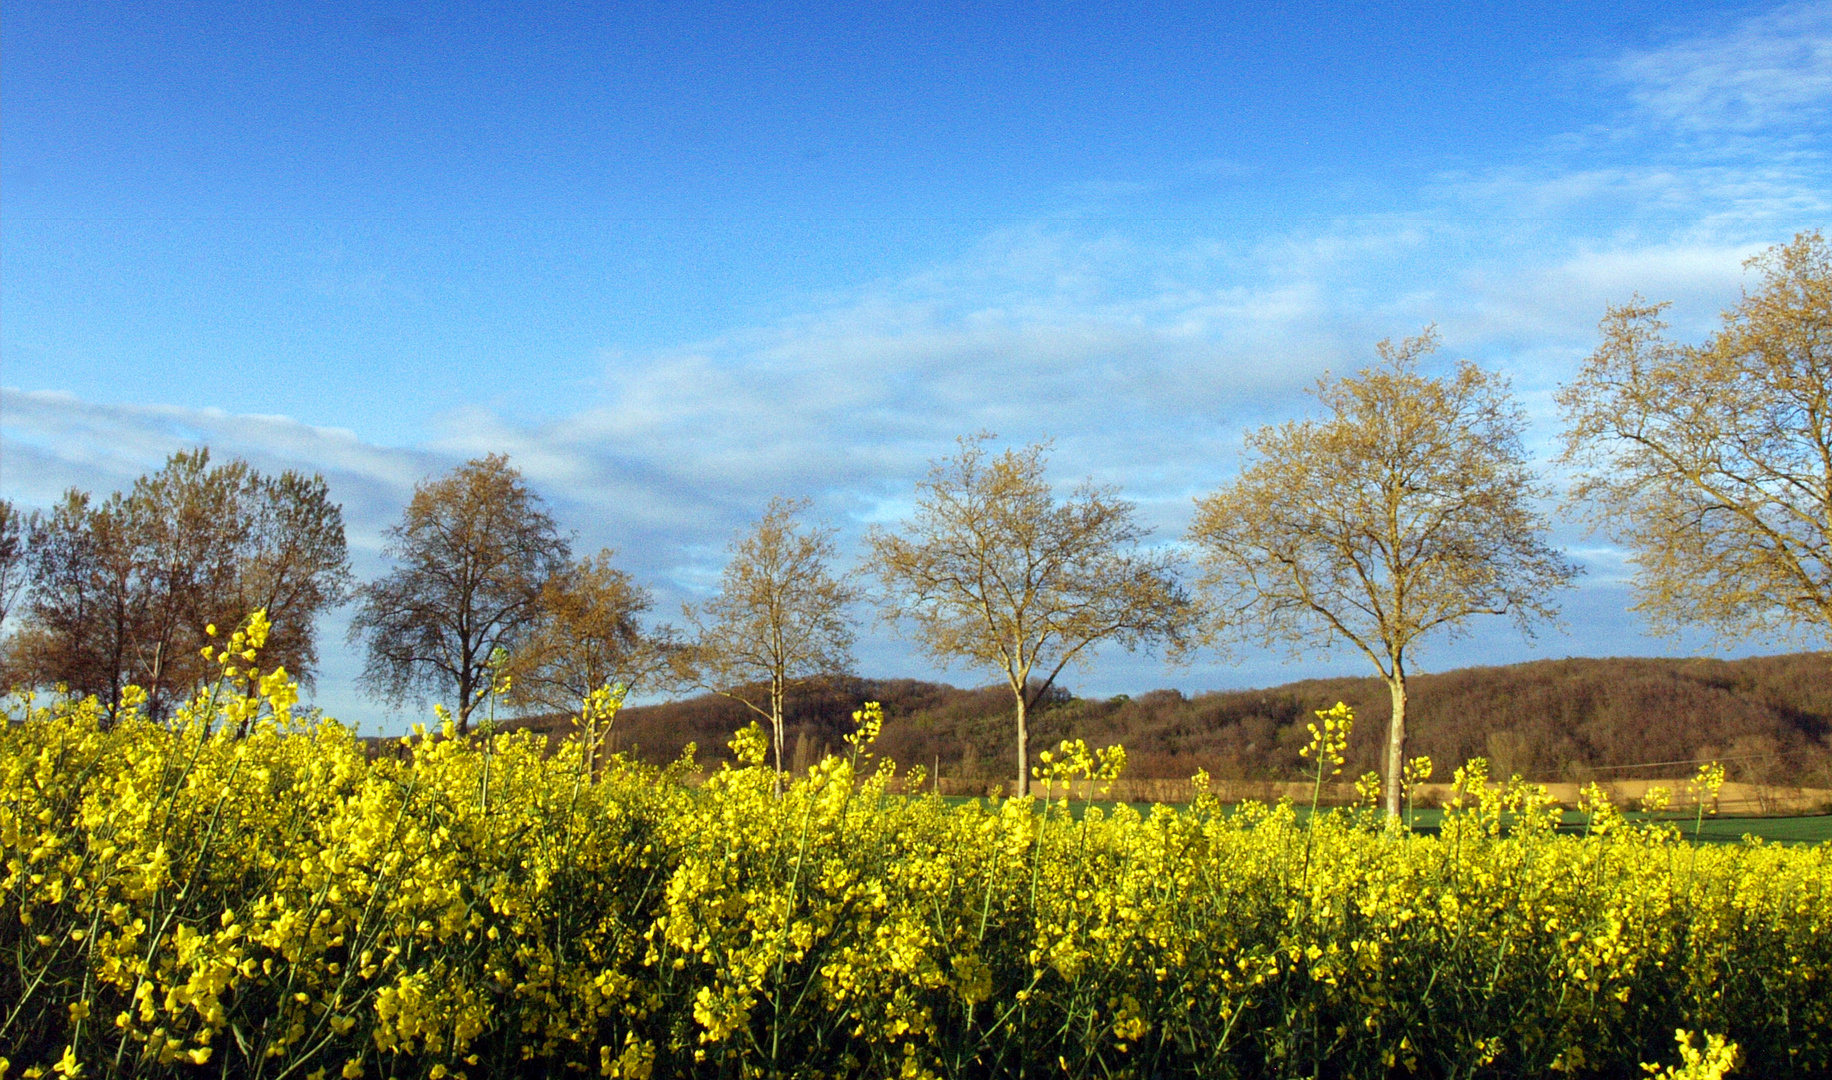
x=1770, y=71
x=56, y=441
x=1036, y=332
x=1143, y=362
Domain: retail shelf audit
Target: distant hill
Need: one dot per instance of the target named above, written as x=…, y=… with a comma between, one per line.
x=1769, y=719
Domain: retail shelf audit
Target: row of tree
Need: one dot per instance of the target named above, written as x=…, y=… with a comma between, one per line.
x=130, y=589
x=1406, y=509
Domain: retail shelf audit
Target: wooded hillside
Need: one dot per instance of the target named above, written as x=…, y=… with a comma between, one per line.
x=1769, y=719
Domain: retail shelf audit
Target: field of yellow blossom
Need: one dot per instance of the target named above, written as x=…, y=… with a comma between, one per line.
x=238, y=894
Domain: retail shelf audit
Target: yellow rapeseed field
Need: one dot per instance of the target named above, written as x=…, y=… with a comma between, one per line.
x=238, y=893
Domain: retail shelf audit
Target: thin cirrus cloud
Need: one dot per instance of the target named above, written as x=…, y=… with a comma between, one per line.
x=851, y=402
x=54, y=441
x=1773, y=70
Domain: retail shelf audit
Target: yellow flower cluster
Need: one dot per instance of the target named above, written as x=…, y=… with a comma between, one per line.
x=1715, y=1061
x=238, y=892
x=1329, y=741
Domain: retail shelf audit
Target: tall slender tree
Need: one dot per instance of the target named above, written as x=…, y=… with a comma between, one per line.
x=994, y=570
x=1408, y=510
x=779, y=619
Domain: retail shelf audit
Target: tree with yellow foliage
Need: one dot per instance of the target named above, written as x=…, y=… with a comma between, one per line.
x=993, y=569
x=1406, y=511
x=1713, y=463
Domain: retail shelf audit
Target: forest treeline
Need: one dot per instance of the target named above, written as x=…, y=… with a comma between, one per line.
x=1407, y=509
x=1768, y=719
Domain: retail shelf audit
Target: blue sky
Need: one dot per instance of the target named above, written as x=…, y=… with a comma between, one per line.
x=676, y=258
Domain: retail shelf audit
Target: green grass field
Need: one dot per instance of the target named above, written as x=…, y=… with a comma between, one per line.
x=1723, y=829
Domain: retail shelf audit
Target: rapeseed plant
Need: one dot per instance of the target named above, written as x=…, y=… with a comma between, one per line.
x=1711, y=1062
x=239, y=892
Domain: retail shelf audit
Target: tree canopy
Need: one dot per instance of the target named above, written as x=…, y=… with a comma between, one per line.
x=122, y=590
x=588, y=634
x=15, y=530
x=1713, y=463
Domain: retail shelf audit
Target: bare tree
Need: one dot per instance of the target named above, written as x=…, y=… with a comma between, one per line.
x=1713, y=463
x=588, y=635
x=476, y=547
x=292, y=562
x=15, y=533
x=186, y=528
x=779, y=618
x=1407, y=511
x=991, y=569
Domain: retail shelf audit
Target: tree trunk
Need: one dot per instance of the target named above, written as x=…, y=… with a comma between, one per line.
x=466, y=687
x=776, y=696
x=1396, y=740
x=1023, y=787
